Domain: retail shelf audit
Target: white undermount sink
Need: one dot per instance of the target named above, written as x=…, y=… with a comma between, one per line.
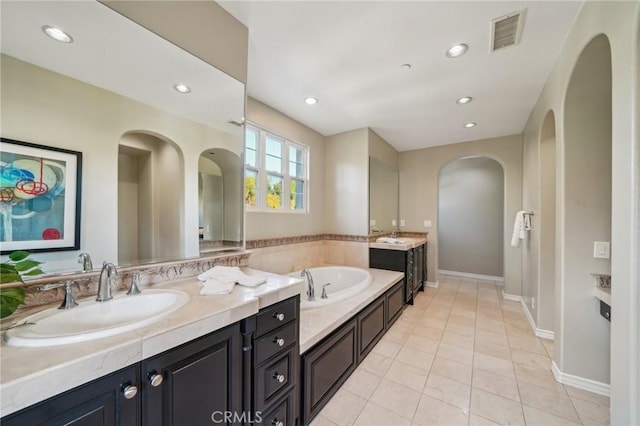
x=93, y=320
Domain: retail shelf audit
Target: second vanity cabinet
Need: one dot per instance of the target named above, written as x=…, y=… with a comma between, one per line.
x=413, y=262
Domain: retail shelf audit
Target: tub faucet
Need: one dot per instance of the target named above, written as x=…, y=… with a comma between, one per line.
x=85, y=259
x=107, y=276
x=311, y=292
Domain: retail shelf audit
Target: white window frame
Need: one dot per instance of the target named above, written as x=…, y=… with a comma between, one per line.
x=262, y=172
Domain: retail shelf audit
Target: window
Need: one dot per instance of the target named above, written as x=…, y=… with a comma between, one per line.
x=276, y=172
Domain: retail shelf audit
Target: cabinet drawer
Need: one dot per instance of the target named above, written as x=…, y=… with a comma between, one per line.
x=276, y=315
x=280, y=415
x=275, y=341
x=273, y=377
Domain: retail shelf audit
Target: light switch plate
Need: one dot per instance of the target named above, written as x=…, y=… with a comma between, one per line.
x=394, y=222
x=601, y=249
x=372, y=222
x=427, y=224
x=402, y=223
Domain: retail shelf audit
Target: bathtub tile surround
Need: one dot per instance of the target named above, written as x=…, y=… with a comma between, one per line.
x=498, y=374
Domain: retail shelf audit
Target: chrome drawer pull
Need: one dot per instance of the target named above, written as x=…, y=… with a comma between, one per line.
x=279, y=377
x=130, y=391
x=155, y=379
x=278, y=341
x=279, y=317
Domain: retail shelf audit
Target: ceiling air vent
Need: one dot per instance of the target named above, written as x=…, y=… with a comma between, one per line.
x=506, y=30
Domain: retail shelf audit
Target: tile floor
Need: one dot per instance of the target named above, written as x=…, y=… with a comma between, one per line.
x=461, y=355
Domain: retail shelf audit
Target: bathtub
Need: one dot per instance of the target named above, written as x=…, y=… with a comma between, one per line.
x=346, y=281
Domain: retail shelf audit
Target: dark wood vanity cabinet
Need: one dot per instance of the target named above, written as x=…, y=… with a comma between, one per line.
x=196, y=383
x=394, y=303
x=272, y=352
x=111, y=400
x=412, y=262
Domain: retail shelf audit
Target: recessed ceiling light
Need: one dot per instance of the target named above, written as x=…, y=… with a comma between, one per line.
x=57, y=34
x=405, y=66
x=457, y=50
x=464, y=100
x=310, y=101
x=182, y=88
x=470, y=124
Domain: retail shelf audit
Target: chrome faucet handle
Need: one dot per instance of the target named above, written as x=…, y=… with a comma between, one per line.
x=133, y=288
x=68, y=302
x=324, y=291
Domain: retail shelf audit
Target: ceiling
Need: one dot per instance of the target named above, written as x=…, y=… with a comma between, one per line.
x=348, y=54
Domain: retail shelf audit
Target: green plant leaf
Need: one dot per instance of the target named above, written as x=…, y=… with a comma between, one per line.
x=35, y=271
x=10, y=299
x=17, y=256
x=27, y=264
x=10, y=277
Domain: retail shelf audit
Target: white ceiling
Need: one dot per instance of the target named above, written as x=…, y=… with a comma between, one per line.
x=348, y=54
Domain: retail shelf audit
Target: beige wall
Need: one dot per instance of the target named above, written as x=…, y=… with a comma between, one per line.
x=269, y=224
x=382, y=150
x=347, y=183
x=202, y=28
x=74, y=115
x=619, y=22
x=419, y=194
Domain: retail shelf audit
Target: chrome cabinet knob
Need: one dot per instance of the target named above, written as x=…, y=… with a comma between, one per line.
x=276, y=422
x=607, y=314
x=130, y=391
x=278, y=341
x=279, y=317
x=155, y=379
x=279, y=377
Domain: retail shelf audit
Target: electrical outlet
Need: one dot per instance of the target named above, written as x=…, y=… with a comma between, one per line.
x=601, y=249
x=372, y=222
x=402, y=222
x=427, y=224
x=394, y=223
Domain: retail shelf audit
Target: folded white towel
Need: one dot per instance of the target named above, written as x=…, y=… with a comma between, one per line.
x=231, y=274
x=213, y=286
x=521, y=224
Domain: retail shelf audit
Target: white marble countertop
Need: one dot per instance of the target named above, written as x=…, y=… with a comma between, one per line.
x=30, y=375
x=315, y=324
x=410, y=243
x=603, y=294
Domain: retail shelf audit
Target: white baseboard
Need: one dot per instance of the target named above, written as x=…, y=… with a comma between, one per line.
x=580, y=382
x=512, y=297
x=473, y=276
x=432, y=285
x=539, y=332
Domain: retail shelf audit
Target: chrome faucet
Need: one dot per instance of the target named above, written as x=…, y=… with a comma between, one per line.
x=85, y=259
x=311, y=292
x=394, y=234
x=107, y=277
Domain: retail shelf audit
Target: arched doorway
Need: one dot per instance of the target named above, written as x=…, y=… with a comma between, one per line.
x=471, y=217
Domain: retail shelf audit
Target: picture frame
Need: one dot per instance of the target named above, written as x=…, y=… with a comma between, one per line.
x=40, y=197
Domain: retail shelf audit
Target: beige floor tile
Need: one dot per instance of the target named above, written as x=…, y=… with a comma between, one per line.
x=489, y=324
x=495, y=336
x=343, y=408
x=429, y=332
x=452, y=370
x=492, y=349
x=396, y=336
x=460, y=320
x=527, y=344
x=463, y=311
x=557, y=403
x=494, y=365
x=376, y=363
x=454, y=353
x=575, y=393
x=434, y=412
x=535, y=417
x=549, y=346
x=402, y=326
x=496, y=384
x=458, y=340
x=374, y=415
x=416, y=358
x=536, y=376
x=530, y=359
x=407, y=375
x=460, y=329
x=439, y=324
x=523, y=330
x=387, y=348
x=397, y=398
x=475, y=420
x=592, y=413
x=321, y=420
x=423, y=344
x=449, y=391
x=362, y=383
x=496, y=408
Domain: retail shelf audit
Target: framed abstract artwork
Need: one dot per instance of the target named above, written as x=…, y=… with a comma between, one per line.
x=40, y=190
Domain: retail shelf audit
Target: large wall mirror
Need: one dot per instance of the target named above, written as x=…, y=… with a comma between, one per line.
x=383, y=196
x=113, y=94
